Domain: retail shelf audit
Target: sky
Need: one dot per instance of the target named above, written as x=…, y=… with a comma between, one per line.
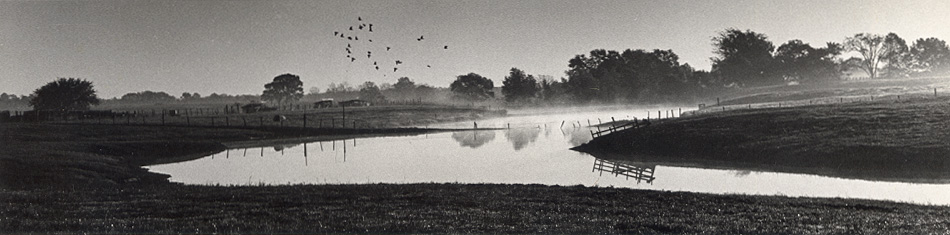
x=235, y=47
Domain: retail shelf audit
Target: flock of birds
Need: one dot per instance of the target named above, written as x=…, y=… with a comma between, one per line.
x=355, y=46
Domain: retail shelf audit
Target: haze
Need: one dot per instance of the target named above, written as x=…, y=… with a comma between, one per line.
x=235, y=47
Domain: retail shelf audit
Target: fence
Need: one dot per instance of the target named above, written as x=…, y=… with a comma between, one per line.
x=640, y=173
x=704, y=109
x=331, y=119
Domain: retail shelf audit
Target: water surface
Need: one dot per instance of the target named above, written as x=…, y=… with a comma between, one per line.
x=534, y=151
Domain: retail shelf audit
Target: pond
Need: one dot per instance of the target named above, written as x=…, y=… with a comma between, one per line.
x=535, y=150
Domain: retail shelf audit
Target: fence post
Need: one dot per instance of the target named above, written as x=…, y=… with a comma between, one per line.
x=188, y=120
x=245, y=121
x=163, y=117
x=304, y=120
x=262, y=120
x=227, y=121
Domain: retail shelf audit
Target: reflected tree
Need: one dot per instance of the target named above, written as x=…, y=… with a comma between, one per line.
x=521, y=137
x=473, y=139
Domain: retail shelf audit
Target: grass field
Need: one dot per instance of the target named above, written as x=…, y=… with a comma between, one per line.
x=88, y=153
x=906, y=140
x=87, y=178
x=448, y=208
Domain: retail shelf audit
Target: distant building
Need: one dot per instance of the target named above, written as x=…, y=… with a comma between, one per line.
x=327, y=103
x=351, y=103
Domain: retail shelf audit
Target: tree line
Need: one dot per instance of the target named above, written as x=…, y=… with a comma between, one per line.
x=742, y=59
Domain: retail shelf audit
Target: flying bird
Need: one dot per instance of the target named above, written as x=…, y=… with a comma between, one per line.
x=352, y=59
x=371, y=40
x=351, y=28
x=394, y=69
x=348, y=45
x=356, y=38
x=336, y=33
x=349, y=38
x=374, y=62
x=420, y=38
x=377, y=67
x=359, y=18
x=398, y=62
x=430, y=66
x=371, y=27
x=446, y=47
x=361, y=27
x=387, y=48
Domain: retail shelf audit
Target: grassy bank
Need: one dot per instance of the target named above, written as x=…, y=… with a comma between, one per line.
x=92, y=154
x=430, y=208
x=906, y=140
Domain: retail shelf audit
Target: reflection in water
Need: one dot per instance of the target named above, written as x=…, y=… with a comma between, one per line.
x=520, y=137
x=281, y=147
x=638, y=172
x=473, y=139
x=577, y=136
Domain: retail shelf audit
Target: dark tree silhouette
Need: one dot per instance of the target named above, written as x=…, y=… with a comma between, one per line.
x=148, y=96
x=797, y=60
x=370, y=92
x=930, y=56
x=898, y=60
x=519, y=87
x=65, y=94
x=472, y=87
x=286, y=87
x=404, y=83
x=744, y=58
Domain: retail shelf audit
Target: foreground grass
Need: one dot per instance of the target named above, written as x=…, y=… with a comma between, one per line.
x=440, y=208
x=907, y=140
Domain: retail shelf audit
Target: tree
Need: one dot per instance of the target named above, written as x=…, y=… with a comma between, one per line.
x=472, y=87
x=185, y=96
x=898, y=59
x=744, y=57
x=339, y=88
x=65, y=94
x=370, y=92
x=930, y=56
x=518, y=87
x=797, y=60
x=404, y=83
x=871, y=47
x=314, y=90
x=147, y=96
x=286, y=87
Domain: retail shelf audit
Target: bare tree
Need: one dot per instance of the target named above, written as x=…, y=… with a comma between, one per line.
x=873, y=48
